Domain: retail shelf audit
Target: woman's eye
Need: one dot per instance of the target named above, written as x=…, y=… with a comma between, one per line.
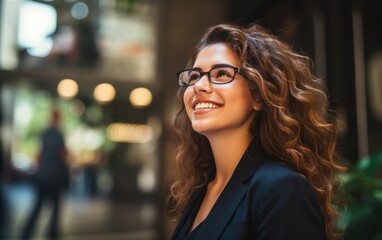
x=223, y=74
x=194, y=76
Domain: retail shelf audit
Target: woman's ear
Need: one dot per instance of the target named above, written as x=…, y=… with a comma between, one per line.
x=257, y=105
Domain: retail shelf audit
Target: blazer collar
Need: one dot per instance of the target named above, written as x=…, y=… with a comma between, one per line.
x=250, y=161
x=188, y=210
x=233, y=193
x=230, y=198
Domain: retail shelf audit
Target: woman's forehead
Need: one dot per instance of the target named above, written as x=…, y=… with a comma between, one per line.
x=215, y=54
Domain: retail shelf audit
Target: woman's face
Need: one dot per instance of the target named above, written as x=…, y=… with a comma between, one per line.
x=214, y=108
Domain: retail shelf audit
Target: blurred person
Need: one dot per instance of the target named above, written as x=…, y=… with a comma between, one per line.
x=52, y=177
x=257, y=154
x=90, y=179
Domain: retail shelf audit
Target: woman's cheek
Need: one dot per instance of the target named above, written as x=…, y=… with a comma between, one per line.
x=186, y=100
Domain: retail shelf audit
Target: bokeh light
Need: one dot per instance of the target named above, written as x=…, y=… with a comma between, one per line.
x=104, y=93
x=141, y=97
x=77, y=107
x=37, y=22
x=128, y=132
x=80, y=11
x=67, y=88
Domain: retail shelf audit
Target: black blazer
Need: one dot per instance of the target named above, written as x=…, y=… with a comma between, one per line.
x=262, y=200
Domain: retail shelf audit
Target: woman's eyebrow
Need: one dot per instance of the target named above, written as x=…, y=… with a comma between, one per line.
x=213, y=66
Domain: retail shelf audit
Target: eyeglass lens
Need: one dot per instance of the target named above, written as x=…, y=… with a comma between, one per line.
x=218, y=75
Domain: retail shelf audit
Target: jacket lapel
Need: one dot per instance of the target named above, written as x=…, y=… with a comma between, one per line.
x=187, y=211
x=232, y=195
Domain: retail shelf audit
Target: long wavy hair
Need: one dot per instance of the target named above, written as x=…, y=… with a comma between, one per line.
x=294, y=126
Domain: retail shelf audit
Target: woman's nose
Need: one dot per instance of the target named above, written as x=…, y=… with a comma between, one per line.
x=203, y=85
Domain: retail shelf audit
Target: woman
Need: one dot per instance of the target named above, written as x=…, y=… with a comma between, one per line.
x=256, y=157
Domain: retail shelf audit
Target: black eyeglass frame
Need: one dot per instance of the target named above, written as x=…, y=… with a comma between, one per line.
x=182, y=84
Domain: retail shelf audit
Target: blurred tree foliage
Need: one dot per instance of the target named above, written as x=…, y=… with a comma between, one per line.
x=363, y=188
x=126, y=5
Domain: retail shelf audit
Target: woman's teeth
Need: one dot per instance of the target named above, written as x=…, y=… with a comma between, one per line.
x=205, y=105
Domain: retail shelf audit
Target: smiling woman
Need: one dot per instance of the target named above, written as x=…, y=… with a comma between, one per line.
x=220, y=104
x=257, y=150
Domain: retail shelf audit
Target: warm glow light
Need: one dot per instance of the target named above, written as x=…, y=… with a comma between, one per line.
x=104, y=93
x=67, y=88
x=141, y=97
x=131, y=133
x=84, y=143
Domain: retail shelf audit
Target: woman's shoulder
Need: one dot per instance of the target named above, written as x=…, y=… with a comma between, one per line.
x=282, y=200
x=278, y=167
x=273, y=176
x=275, y=184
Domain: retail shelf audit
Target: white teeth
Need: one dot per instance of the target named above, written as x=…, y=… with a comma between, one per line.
x=205, y=105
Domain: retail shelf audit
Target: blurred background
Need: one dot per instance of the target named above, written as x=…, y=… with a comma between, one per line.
x=109, y=67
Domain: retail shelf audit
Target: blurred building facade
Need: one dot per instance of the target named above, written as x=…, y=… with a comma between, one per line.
x=110, y=65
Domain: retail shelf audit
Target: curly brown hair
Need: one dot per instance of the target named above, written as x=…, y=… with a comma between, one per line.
x=294, y=126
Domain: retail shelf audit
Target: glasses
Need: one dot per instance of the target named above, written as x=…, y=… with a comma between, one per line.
x=220, y=74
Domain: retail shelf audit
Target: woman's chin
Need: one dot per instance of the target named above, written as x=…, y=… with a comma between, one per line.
x=202, y=128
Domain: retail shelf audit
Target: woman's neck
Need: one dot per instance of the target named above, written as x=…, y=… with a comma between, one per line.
x=228, y=150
